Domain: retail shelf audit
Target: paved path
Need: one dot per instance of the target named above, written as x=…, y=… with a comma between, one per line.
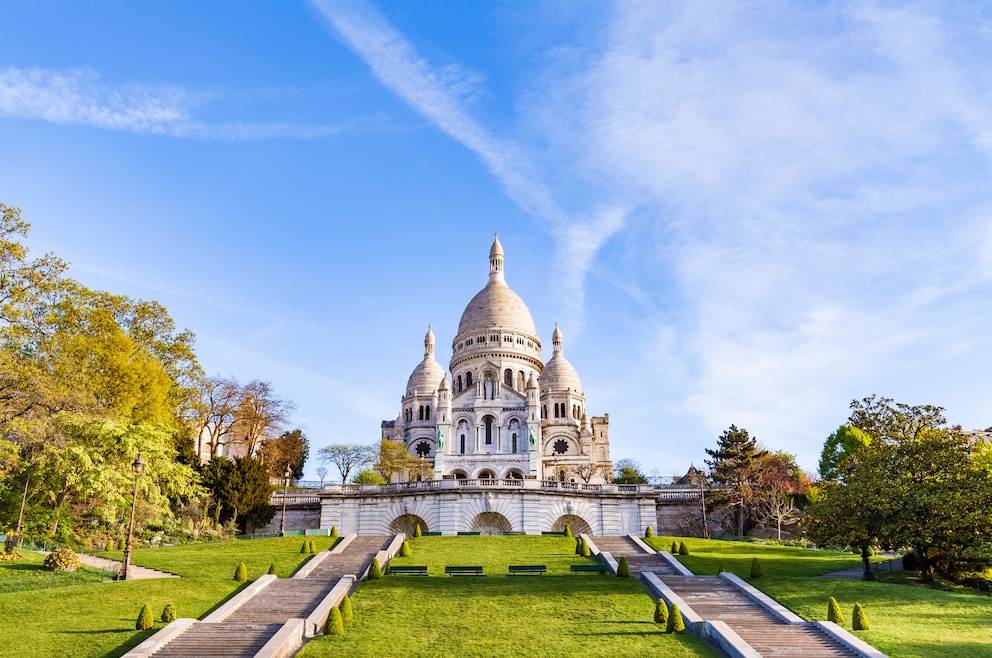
x=245, y=631
x=113, y=566
x=715, y=599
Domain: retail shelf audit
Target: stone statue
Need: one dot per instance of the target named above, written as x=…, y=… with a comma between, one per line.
x=489, y=502
x=440, y=439
x=532, y=439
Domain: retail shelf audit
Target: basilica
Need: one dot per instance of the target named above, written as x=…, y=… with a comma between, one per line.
x=503, y=413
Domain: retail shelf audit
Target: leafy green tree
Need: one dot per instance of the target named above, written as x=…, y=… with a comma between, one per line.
x=628, y=471
x=737, y=465
x=845, y=445
x=367, y=476
x=395, y=462
x=291, y=448
x=240, y=489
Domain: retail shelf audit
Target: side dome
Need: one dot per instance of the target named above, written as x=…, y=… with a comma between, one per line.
x=496, y=306
x=558, y=373
x=428, y=375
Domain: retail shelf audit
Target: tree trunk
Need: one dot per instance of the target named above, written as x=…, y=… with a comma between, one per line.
x=59, y=501
x=740, y=518
x=926, y=566
x=868, y=575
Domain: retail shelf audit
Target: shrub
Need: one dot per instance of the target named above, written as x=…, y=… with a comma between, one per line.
x=168, y=614
x=241, y=573
x=347, y=614
x=375, y=571
x=335, y=624
x=10, y=557
x=145, y=619
x=720, y=569
x=585, y=549
x=417, y=532
x=756, y=570
x=675, y=622
x=122, y=544
x=61, y=559
x=578, y=546
x=649, y=532
x=334, y=532
x=833, y=612
x=661, y=612
x=272, y=569
x=311, y=549
x=405, y=549
x=623, y=569
x=675, y=548
x=683, y=549
x=860, y=621
x=304, y=548
x=568, y=530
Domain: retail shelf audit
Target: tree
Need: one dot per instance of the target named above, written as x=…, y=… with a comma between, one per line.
x=240, y=489
x=368, y=476
x=291, y=448
x=394, y=461
x=585, y=472
x=260, y=414
x=220, y=399
x=846, y=444
x=628, y=471
x=737, y=465
x=347, y=457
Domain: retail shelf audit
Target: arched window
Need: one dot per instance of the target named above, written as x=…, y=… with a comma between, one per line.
x=489, y=430
x=463, y=444
x=544, y=411
x=556, y=410
x=514, y=442
x=459, y=383
x=521, y=381
x=468, y=378
x=427, y=412
x=508, y=377
x=420, y=416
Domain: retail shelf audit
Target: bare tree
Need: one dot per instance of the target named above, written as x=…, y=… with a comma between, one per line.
x=220, y=399
x=347, y=457
x=586, y=472
x=260, y=415
x=780, y=506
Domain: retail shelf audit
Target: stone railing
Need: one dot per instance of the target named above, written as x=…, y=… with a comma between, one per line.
x=294, y=497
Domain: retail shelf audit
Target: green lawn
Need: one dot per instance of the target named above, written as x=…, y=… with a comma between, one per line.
x=906, y=620
x=557, y=614
x=98, y=619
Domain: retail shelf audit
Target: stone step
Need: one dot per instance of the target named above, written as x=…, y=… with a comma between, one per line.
x=221, y=640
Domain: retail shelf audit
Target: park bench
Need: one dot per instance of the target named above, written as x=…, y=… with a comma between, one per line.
x=527, y=569
x=514, y=532
x=560, y=534
x=469, y=533
x=430, y=534
x=589, y=568
x=407, y=571
x=464, y=571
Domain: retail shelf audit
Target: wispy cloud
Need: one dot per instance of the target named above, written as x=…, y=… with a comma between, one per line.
x=80, y=97
x=444, y=95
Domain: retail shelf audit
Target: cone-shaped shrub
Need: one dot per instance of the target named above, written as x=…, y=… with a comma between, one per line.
x=675, y=621
x=405, y=549
x=860, y=622
x=335, y=625
x=675, y=548
x=347, y=614
x=623, y=569
x=241, y=573
x=145, y=619
x=304, y=548
x=417, y=532
x=311, y=549
x=649, y=532
x=122, y=545
x=683, y=549
x=756, y=570
x=661, y=612
x=720, y=569
x=833, y=612
x=578, y=546
x=168, y=614
x=334, y=532
x=585, y=549
x=272, y=569
x=375, y=571
x=568, y=530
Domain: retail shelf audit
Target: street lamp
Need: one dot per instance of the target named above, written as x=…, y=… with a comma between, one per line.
x=138, y=468
x=288, y=473
x=867, y=575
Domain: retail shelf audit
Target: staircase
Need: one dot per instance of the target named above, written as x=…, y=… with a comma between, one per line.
x=245, y=631
x=715, y=599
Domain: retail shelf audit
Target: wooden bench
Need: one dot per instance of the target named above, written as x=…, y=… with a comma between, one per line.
x=469, y=533
x=589, y=568
x=527, y=569
x=464, y=571
x=407, y=571
x=430, y=534
x=560, y=534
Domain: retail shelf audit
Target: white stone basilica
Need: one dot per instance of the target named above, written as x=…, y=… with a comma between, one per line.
x=504, y=413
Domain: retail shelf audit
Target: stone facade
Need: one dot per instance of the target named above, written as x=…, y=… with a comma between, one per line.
x=503, y=413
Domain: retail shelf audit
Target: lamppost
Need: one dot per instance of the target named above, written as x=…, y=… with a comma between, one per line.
x=288, y=473
x=24, y=498
x=867, y=575
x=125, y=573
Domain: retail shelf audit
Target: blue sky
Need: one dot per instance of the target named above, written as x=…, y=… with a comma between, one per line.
x=739, y=213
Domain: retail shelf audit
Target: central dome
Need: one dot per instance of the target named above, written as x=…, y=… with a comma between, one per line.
x=496, y=306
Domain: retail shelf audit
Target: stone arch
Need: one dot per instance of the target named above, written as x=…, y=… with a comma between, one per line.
x=490, y=523
x=486, y=474
x=459, y=474
x=552, y=445
x=577, y=524
x=406, y=524
x=513, y=474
